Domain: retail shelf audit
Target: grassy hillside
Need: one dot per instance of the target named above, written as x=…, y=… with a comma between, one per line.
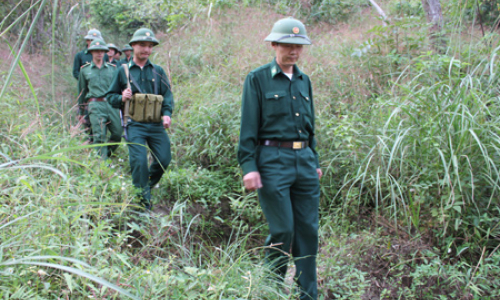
x=408, y=141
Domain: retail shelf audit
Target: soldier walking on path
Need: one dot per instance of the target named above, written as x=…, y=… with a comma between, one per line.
x=94, y=81
x=277, y=155
x=146, y=88
x=113, y=50
x=127, y=50
x=118, y=55
x=82, y=58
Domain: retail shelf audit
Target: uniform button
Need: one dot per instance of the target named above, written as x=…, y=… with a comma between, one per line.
x=294, y=98
x=276, y=96
x=297, y=114
x=307, y=98
x=300, y=131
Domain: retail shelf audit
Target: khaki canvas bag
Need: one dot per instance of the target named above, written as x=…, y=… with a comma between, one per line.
x=145, y=107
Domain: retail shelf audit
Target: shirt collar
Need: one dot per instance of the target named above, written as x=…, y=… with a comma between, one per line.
x=104, y=65
x=131, y=63
x=275, y=70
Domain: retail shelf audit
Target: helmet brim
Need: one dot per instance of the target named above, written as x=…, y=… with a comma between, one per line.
x=287, y=39
x=145, y=39
x=98, y=48
x=91, y=37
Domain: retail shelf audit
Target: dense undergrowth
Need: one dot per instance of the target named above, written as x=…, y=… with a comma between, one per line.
x=408, y=141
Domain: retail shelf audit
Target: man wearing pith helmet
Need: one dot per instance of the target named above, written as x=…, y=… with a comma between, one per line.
x=113, y=50
x=93, y=83
x=145, y=88
x=277, y=154
x=83, y=57
x=127, y=50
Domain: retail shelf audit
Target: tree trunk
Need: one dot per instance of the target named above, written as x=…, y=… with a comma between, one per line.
x=434, y=16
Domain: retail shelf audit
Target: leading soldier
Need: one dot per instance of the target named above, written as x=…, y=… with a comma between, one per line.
x=278, y=157
x=93, y=83
x=147, y=89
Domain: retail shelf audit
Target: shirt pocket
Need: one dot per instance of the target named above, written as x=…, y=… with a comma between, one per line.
x=275, y=105
x=305, y=99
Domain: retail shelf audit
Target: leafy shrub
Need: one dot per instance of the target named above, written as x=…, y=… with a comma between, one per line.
x=126, y=16
x=407, y=8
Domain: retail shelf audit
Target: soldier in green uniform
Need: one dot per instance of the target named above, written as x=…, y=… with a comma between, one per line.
x=111, y=54
x=118, y=55
x=93, y=83
x=127, y=50
x=83, y=57
x=277, y=154
x=138, y=81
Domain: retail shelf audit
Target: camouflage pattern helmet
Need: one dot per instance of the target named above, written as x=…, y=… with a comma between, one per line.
x=144, y=35
x=127, y=48
x=93, y=34
x=98, y=44
x=113, y=46
x=289, y=31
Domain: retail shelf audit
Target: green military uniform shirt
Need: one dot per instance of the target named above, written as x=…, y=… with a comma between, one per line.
x=114, y=62
x=94, y=82
x=275, y=108
x=82, y=58
x=125, y=60
x=144, y=77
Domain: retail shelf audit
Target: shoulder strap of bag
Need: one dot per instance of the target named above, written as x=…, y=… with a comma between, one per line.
x=155, y=76
x=131, y=78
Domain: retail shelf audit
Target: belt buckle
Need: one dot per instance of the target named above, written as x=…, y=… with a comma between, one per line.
x=297, y=145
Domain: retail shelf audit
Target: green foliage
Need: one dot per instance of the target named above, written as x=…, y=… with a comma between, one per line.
x=407, y=8
x=126, y=16
x=407, y=139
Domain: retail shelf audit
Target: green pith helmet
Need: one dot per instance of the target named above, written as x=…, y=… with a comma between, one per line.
x=144, y=35
x=93, y=34
x=98, y=44
x=289, y=31
x=127, y=48
x=112, y=46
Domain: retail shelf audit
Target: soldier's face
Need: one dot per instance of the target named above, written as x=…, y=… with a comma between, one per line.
x=142, y=50
x=287, y=54
x=88, y=42
x=127, y=53
x=111, y=52
x=98, y=54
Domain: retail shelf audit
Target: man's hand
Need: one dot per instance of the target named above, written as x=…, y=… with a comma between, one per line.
x=166, y=122
x=252, y=181
x=126, y=94
x=320, y=173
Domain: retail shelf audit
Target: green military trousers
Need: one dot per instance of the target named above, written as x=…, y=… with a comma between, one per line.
x=145, y=177
x=88, y=126
x=290, y=199
x=104, y=117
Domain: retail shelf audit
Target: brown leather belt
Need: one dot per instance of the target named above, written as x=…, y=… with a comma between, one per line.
x=294, y=145
x=97, y=100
